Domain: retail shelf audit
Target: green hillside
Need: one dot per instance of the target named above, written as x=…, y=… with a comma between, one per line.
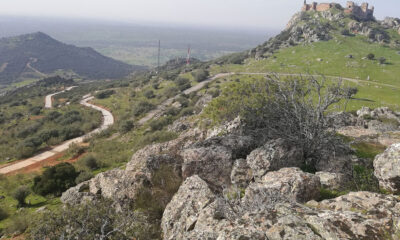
x=344, y=55
x=37, y=55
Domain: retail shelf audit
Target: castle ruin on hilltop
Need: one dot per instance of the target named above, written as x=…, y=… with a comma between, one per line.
x=362, y=12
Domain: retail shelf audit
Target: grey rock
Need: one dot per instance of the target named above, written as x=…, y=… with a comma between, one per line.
x=213, y=159
x=274, y=155
x=287, y=184
x=197, y=213
x=387, y=169
x=181, y=214
x=332, y=181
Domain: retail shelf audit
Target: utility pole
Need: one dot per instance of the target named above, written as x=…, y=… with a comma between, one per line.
x=188, y=56
x=158, y=57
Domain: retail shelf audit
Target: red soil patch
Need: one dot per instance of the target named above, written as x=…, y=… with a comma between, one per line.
x=36, y=117
x=51, y=161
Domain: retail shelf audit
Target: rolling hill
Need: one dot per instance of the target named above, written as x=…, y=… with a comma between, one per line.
x=37, y=55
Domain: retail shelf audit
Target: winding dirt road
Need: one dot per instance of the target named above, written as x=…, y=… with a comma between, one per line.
x=108, y=120
x=48, y=102
x=162, y=107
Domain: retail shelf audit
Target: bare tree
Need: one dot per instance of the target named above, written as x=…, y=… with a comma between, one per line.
x=295, y=109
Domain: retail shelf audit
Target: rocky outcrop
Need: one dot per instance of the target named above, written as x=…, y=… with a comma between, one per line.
x=274, y=155
x=213, y=159
x=264, y=213
x=387, y=169
x=122, y=186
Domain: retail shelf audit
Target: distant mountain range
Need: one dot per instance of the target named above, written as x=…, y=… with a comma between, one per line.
x=37, y=55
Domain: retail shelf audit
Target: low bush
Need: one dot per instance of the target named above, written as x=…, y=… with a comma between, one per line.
x=149, y=94
x=142, y=107
x=104, y=94
x=55, y=180
x=126, y=126
x=200, y=75
x=83, y=177
x=90, y=162
x=182, y=83
x=21, y=194
x=371, y=56
x=3, y=214
x=160, y=123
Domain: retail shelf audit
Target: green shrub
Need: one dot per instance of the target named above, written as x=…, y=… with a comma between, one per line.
x=183, y=83
x=200, y=75
x=370, y=56
x=160, y=123
x=126, y=126
x=83, y=177
x=55, y=180
x=21, y=194
x=149, y=94
x=3, y=214
x=172, y=111
x=104, y=94
x=142, y=107
x=183, y=101
x=364, y=179
x=35, y=110
x=188, y=111
x=90, y=162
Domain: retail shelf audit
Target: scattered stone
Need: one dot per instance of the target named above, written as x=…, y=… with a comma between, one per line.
x=387, y=167
x=349, y=56
x=320, y=59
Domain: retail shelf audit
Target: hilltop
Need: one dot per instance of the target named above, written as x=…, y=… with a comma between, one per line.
x=37, y=55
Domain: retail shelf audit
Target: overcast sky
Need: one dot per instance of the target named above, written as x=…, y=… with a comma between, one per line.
x=219, y=13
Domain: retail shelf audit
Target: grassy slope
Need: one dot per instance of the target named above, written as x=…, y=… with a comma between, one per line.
x=303, y=59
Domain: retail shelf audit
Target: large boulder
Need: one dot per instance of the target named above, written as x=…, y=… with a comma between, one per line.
x=181, y=214
x=213, y=159
x=274, y=155
x=387, y=169
x=287, y=184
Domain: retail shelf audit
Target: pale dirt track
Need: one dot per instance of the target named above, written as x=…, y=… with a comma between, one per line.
x=108, y=120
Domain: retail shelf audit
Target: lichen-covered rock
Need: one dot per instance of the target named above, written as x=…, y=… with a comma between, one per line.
x=197, y=213
x=274, y=155
x=387, y=169
x=357, y=215
x=213, y=159
x=232, y=127
x=181, y=214
x=287, y=184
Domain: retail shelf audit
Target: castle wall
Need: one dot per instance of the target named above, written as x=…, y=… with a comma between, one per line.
x=323, y=7
x=362, y=12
